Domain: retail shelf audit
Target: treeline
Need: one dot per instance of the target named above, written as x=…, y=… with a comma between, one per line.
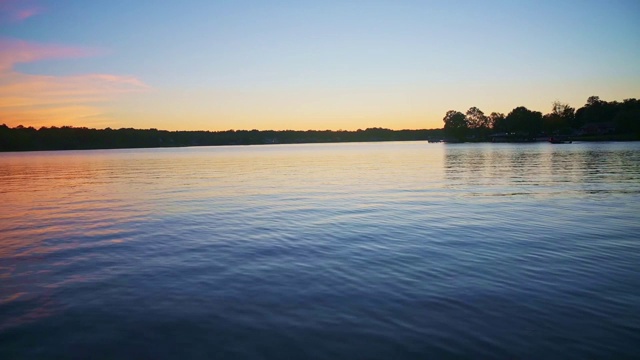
x=596, y=118
x=22, y=138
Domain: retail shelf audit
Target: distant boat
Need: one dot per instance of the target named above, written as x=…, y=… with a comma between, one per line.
x=560, y=140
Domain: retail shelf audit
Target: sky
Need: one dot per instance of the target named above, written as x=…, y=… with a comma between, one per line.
x=299, y=65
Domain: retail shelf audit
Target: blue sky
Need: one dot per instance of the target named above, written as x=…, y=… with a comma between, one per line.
x=220, y=65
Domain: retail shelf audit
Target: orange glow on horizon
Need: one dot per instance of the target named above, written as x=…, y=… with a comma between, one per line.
x=45, y=100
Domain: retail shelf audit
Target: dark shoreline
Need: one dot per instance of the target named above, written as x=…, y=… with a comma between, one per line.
x=71, y=138
x=20, y=139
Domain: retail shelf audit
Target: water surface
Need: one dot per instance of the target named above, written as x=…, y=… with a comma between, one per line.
x=372, y=250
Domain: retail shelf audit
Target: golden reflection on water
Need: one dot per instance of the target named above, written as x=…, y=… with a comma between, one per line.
x=48, y=196
x=64, y=210
x=54, y=201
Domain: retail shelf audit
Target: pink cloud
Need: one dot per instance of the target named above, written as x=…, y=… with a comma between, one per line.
x=14, y=51
x=46, y=99
x=18, y=10
x=24, y=14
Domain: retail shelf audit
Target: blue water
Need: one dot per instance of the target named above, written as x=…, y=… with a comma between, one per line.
x=331, y=251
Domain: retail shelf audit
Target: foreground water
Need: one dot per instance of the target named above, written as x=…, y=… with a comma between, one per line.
x=379, y=250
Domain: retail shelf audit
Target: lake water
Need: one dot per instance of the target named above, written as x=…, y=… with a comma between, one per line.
x=326, y=251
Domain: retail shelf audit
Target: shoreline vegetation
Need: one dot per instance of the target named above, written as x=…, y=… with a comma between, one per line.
x=74, y=138
x=598, y=120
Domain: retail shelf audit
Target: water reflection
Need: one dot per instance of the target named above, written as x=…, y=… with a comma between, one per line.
x=542, y=169
x=331, y=247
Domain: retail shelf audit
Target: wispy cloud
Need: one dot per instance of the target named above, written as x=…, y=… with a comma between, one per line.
x=13, y=51
x=18, y=10
x=24, y=14
x=31, y=99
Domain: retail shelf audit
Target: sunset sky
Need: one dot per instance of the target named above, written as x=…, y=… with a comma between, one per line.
x=218, y=65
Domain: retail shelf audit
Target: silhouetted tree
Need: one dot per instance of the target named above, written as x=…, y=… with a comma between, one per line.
x=476, y=119
x=455, y=124
x=595, y=111
x=524, y=120
x=559, y=119
x=627, y=119
x=496, y=121
x=478, y=123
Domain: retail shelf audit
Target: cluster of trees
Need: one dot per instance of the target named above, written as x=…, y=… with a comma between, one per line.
x=621, y=117
x=74, y=138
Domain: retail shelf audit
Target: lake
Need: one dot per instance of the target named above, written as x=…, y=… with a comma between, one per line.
x=325, y=251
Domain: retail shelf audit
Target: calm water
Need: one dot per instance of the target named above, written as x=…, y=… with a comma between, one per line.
x=376, y=251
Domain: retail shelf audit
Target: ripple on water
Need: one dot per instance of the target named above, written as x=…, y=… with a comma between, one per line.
x=395, y=250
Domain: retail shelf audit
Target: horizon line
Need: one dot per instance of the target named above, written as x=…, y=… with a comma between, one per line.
x=228, y=130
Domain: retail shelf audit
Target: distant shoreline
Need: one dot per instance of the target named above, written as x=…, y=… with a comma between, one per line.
x=72, y=138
